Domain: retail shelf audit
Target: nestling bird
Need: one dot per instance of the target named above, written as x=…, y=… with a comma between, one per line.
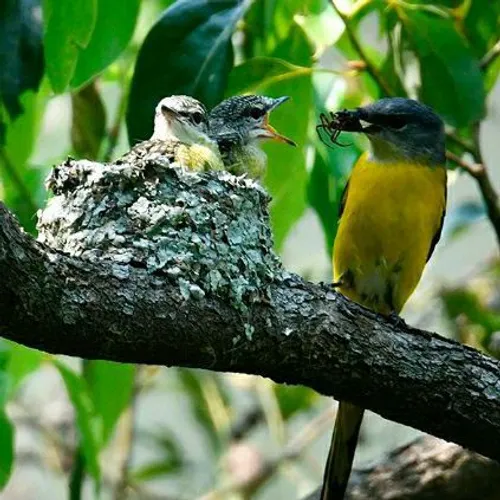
x=390, y=220
x=239, y=124
x=180, y=134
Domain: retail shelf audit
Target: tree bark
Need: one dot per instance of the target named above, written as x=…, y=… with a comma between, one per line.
x=106, y=304
x=427, y=469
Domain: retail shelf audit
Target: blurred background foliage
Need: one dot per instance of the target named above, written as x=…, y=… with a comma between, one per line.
x=82, y=79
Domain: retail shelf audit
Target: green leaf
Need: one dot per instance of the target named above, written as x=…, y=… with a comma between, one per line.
x=288, y=72
x=463, y=302
x=22, y=362
x=322, y=26
x=87, y=422
x=6, y=449
x=111, y=386
x=481, y=25
x=21, y=54
x=68, y=29
x=154, y=470
x=446, y=62
x=88, y=124
x=259, y=72
x=188, y=51
x=23, y=186
x=199, y=385
x=114, y=27
x=294, y=399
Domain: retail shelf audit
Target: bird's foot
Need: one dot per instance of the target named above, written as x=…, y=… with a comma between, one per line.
x=396, y=320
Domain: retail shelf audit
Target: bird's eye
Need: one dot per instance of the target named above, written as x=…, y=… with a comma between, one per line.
x=197, y=118
x=397, y=122
x=256, y=113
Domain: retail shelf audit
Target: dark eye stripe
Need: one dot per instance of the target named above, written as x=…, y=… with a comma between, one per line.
x=393, y=121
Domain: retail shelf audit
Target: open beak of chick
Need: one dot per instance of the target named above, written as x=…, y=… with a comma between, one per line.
x=268, y=131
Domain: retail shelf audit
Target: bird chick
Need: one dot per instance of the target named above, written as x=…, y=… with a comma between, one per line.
x=238, y=125
x=180, y=134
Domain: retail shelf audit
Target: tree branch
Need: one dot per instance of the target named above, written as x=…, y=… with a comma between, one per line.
x=177, y=268
x=425, y=469
x=490, y=56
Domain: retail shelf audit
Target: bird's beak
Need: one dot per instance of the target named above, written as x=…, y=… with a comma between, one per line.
x=269, y=131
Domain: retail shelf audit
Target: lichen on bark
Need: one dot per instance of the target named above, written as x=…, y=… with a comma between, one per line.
x=207, y=231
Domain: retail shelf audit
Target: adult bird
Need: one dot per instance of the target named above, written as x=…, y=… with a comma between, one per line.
x=390, y=220
x=239, y=124
x=180, y=134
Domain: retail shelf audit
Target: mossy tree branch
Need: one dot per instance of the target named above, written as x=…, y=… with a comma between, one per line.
x=129, y=307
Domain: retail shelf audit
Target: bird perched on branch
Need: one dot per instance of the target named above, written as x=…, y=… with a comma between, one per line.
x=390, y=220
x=180, y=134
x=239, y=124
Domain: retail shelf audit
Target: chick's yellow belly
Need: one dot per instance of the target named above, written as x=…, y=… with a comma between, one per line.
x=391, y=214
x=199, y=157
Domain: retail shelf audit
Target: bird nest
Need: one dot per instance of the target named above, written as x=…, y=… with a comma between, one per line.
x=209, y=232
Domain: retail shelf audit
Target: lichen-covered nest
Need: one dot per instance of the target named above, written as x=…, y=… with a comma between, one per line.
x=209, y=232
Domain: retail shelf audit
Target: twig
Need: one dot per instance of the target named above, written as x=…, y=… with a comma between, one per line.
x=372, y=70
x=243, y=425
x=291, y=451
x=490, y=56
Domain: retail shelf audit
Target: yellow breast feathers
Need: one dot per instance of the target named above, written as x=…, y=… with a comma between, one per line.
x=391, y=219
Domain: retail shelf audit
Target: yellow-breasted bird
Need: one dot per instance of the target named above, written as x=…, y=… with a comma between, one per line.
x=239, y=124
x=180, y=134
x=391, y=216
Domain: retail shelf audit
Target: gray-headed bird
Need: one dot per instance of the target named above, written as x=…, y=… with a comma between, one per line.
x=239, y=124
x=181, y=135
x=390, y=221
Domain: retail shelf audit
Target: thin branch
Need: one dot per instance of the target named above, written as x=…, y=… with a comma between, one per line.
x=292, y=451
x=370, y=67
x=490, y=56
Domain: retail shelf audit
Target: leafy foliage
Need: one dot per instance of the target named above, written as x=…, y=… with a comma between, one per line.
x=200, y=28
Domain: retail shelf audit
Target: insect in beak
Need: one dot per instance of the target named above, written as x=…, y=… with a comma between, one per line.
x=335, y=123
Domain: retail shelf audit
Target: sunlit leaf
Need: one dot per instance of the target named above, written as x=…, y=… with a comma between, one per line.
x=322, y=26
x=188, y=51
x=88, y=425
x=88, y=123
x=22, y=362
x=68, y=29
x=259, y=72
x=111, y=387
x=442, y=51
x=286, y=175
x=293, y=399
x=114, y=27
